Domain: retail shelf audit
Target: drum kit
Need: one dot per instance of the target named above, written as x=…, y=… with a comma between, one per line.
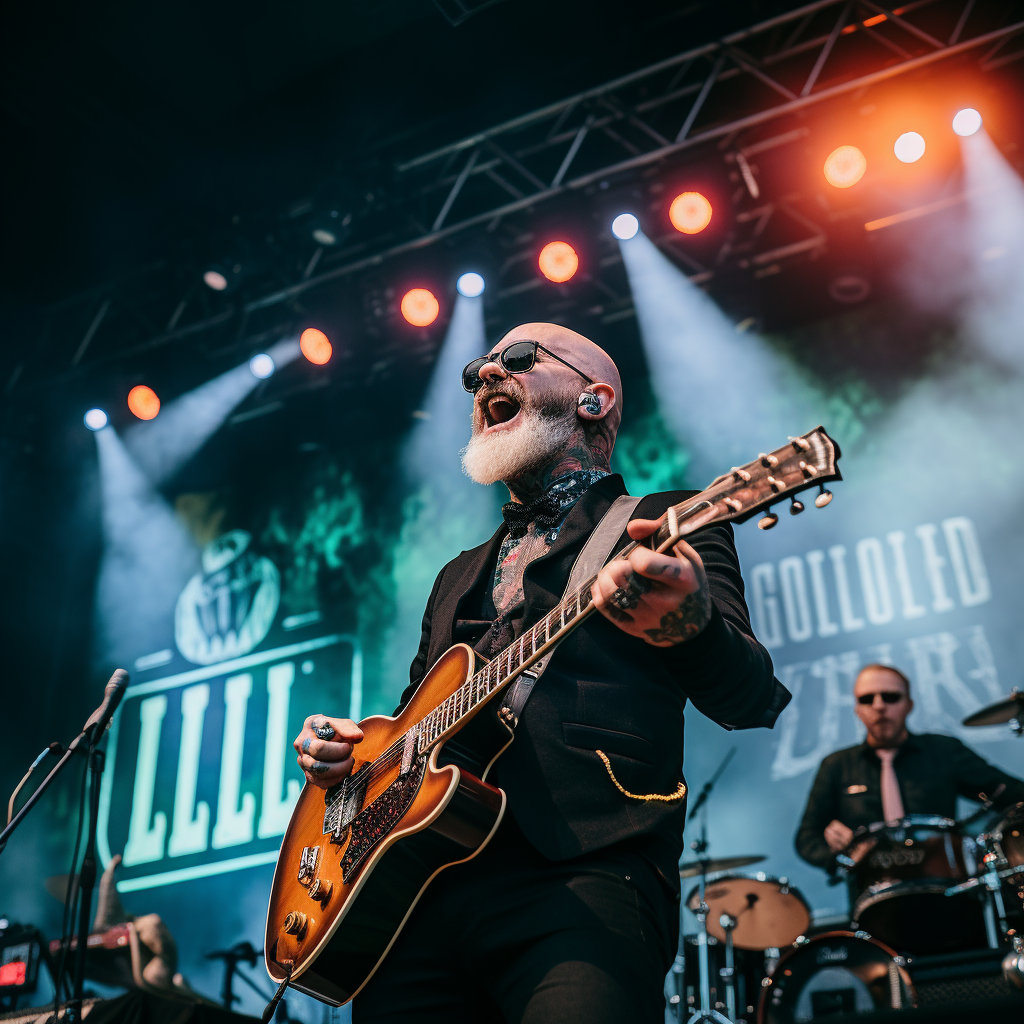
x=923, y=886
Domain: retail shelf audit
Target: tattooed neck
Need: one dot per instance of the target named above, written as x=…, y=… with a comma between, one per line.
x=576, y=455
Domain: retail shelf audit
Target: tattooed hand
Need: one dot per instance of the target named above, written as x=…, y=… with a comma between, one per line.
x=663, y=599
x=325, y=749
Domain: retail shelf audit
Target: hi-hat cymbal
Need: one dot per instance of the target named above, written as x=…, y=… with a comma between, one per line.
x=1000, y=712
x=692, y=868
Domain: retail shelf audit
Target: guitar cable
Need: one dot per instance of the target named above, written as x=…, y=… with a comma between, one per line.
x=268, y=1013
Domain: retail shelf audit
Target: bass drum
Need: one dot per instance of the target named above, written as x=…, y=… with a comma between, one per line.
x=836, y=973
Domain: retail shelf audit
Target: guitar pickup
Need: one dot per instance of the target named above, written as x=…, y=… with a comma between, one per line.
x=308, y=864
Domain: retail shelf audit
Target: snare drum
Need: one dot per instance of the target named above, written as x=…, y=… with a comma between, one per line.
x=768, y=911
x=901, y=880
x=836, y=973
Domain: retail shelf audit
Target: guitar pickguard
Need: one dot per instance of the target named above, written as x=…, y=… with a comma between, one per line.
x=374, y=822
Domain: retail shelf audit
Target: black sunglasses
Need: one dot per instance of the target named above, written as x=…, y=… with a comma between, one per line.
x=888, y=696
x=519, y=357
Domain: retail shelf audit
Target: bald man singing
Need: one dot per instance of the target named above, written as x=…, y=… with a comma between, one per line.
x=570, y=914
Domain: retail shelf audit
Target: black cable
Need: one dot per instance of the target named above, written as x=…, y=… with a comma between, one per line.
x=268, y=1013
x=70, y=899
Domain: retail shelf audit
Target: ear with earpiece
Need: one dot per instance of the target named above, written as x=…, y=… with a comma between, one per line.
x=596, y=402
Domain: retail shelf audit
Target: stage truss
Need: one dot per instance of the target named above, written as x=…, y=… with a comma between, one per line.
x=735, y=97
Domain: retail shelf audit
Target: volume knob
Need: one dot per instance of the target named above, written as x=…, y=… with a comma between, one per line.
x=295, y=923
x=320, y=890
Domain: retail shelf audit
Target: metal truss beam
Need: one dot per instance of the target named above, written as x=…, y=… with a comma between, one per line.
x=502, y=156
x=714, y=92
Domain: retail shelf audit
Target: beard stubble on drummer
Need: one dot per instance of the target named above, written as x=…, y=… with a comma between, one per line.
x=885, y=723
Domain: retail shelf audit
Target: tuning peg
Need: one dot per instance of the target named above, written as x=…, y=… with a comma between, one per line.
x=768, y=461
x=795, y=507
x=823, y=498
x=767, y=521
x=801, y=444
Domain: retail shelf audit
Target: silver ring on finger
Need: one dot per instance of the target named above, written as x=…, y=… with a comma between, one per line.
x=624, y=598
x=325, y=731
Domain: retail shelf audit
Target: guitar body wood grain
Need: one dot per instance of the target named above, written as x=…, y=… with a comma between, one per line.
x=450, y=819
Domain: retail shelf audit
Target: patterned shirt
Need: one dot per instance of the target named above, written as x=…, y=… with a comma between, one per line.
x=517, y=553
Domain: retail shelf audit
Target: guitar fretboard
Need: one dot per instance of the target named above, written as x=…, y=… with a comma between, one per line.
x=534, y=643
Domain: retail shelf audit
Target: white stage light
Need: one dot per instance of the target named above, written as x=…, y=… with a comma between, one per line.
x=471, y=285
x=261, y=366
x=95, y=419
x=967, y=122
x=909, y=147
x=625, y=226
x=216, y=280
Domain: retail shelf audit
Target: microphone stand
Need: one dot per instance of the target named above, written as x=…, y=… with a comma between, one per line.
x=86, y=882
x=91, y=735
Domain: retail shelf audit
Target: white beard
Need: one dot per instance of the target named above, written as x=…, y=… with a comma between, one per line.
x=507, y=454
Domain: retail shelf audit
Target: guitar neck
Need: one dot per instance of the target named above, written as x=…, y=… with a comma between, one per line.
x=805, y=462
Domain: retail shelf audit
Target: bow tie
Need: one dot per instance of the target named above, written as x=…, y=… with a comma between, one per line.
x=546, y=512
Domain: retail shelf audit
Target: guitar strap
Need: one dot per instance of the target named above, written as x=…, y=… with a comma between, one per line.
x=595, y=553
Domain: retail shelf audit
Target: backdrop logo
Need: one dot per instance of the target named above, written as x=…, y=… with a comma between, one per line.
x=228, y=608
x=200, y=777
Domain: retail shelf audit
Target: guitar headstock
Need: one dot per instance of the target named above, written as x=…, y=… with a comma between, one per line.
x=805, y=462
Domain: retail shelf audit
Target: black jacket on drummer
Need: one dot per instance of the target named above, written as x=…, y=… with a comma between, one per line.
x=610, y=691
x=932, y=771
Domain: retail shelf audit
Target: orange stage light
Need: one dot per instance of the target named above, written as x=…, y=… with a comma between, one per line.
x=845, y=166
x=315, y=346
x=558, y=261
x=420, y=307
x=143, y=402
x=690, y=213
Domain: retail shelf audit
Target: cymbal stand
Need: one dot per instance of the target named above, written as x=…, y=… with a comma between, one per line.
x=995, y=911
x=705, y=1011
x=728, y=973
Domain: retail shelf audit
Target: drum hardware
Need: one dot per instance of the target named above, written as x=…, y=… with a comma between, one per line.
x=991, y=878
x=1009, y=710
x=1013, y=963
x=704, y=1012
x=728, y=973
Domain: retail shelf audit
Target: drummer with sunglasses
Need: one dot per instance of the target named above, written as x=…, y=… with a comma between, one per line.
x=892, y=774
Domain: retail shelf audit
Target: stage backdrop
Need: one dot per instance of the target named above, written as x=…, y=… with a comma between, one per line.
x=305, y=582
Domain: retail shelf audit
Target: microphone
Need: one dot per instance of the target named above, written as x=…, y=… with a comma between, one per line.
x=112, y=694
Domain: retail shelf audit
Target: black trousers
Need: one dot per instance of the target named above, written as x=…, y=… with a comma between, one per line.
x=513, y=937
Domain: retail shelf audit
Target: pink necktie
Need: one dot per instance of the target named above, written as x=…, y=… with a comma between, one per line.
x=892, y=802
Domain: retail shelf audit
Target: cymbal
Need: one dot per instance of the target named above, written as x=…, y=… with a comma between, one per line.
x=692, y=868
x=1000, y=712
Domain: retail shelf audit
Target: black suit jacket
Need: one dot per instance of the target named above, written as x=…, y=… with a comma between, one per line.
x=932, y=771
x=604, y=689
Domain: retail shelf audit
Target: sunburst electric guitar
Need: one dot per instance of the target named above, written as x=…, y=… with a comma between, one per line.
x=356, y=857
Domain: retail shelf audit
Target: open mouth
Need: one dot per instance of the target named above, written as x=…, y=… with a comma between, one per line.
x=499, y=409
